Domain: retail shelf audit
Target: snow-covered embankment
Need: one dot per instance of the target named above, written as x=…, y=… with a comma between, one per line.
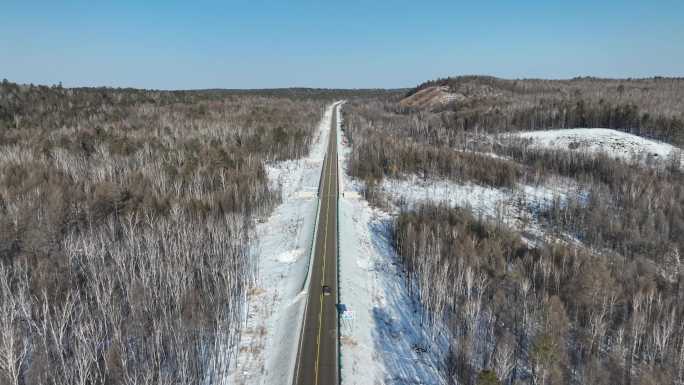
x=268, y=348
x=381, y=335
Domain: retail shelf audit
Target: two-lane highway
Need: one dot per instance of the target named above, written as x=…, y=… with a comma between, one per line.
x=317, y=355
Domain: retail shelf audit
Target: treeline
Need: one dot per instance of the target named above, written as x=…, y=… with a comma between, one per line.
x=553, y=314
x=379, y=155
x=126, y=228
x=330, y=94
x=571, y=114
x=646, y=107
x=391, y=145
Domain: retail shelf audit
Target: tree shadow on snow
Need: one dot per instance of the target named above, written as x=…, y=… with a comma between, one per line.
x=408, y=354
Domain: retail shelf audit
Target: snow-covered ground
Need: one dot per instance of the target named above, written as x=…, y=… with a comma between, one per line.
x=615, y=143
x=268, y=346
x=383, y=327
x=378, y=345
x=380, y=337
x=516, y=208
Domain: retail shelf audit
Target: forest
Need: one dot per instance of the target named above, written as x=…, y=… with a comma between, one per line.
x=651, y=107
x=127, y=227
x=596, y=299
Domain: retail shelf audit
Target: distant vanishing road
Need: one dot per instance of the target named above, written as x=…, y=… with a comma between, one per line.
x=317, y=355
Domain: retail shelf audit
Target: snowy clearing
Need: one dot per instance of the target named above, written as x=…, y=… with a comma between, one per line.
x=268, y=346
x=516, y=208
x=614, y=143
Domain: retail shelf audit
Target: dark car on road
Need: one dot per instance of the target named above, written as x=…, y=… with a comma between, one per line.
x=327, y=290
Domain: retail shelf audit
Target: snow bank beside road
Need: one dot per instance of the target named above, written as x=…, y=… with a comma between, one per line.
x=268, y=347
x=382, y=338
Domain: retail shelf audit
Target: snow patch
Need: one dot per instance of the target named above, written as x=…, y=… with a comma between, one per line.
x=614, y=143
x=290, y=255
x=517, y=207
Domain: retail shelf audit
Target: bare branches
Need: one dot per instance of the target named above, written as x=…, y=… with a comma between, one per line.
x=14, y=323
x=127, y=229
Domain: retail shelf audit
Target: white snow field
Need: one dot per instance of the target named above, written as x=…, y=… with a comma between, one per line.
x=268, y=347
x=614, y=143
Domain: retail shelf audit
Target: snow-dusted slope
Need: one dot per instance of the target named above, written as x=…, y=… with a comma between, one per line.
x=268, y=347
x=615, y=143
x=517, y=207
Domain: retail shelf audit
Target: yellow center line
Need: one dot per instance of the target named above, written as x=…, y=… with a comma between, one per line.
x=325, y=244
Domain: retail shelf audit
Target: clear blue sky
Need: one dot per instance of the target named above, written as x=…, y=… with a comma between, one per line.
x=346, y=44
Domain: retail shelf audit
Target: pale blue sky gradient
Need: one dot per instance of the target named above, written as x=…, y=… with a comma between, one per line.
x=342, y=44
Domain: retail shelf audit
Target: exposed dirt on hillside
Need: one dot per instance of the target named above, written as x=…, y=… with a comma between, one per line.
x=430, y=97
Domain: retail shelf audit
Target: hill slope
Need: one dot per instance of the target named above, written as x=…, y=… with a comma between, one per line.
x=651, y=107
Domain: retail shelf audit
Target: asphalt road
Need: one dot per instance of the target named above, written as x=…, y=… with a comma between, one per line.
x=317, y=355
